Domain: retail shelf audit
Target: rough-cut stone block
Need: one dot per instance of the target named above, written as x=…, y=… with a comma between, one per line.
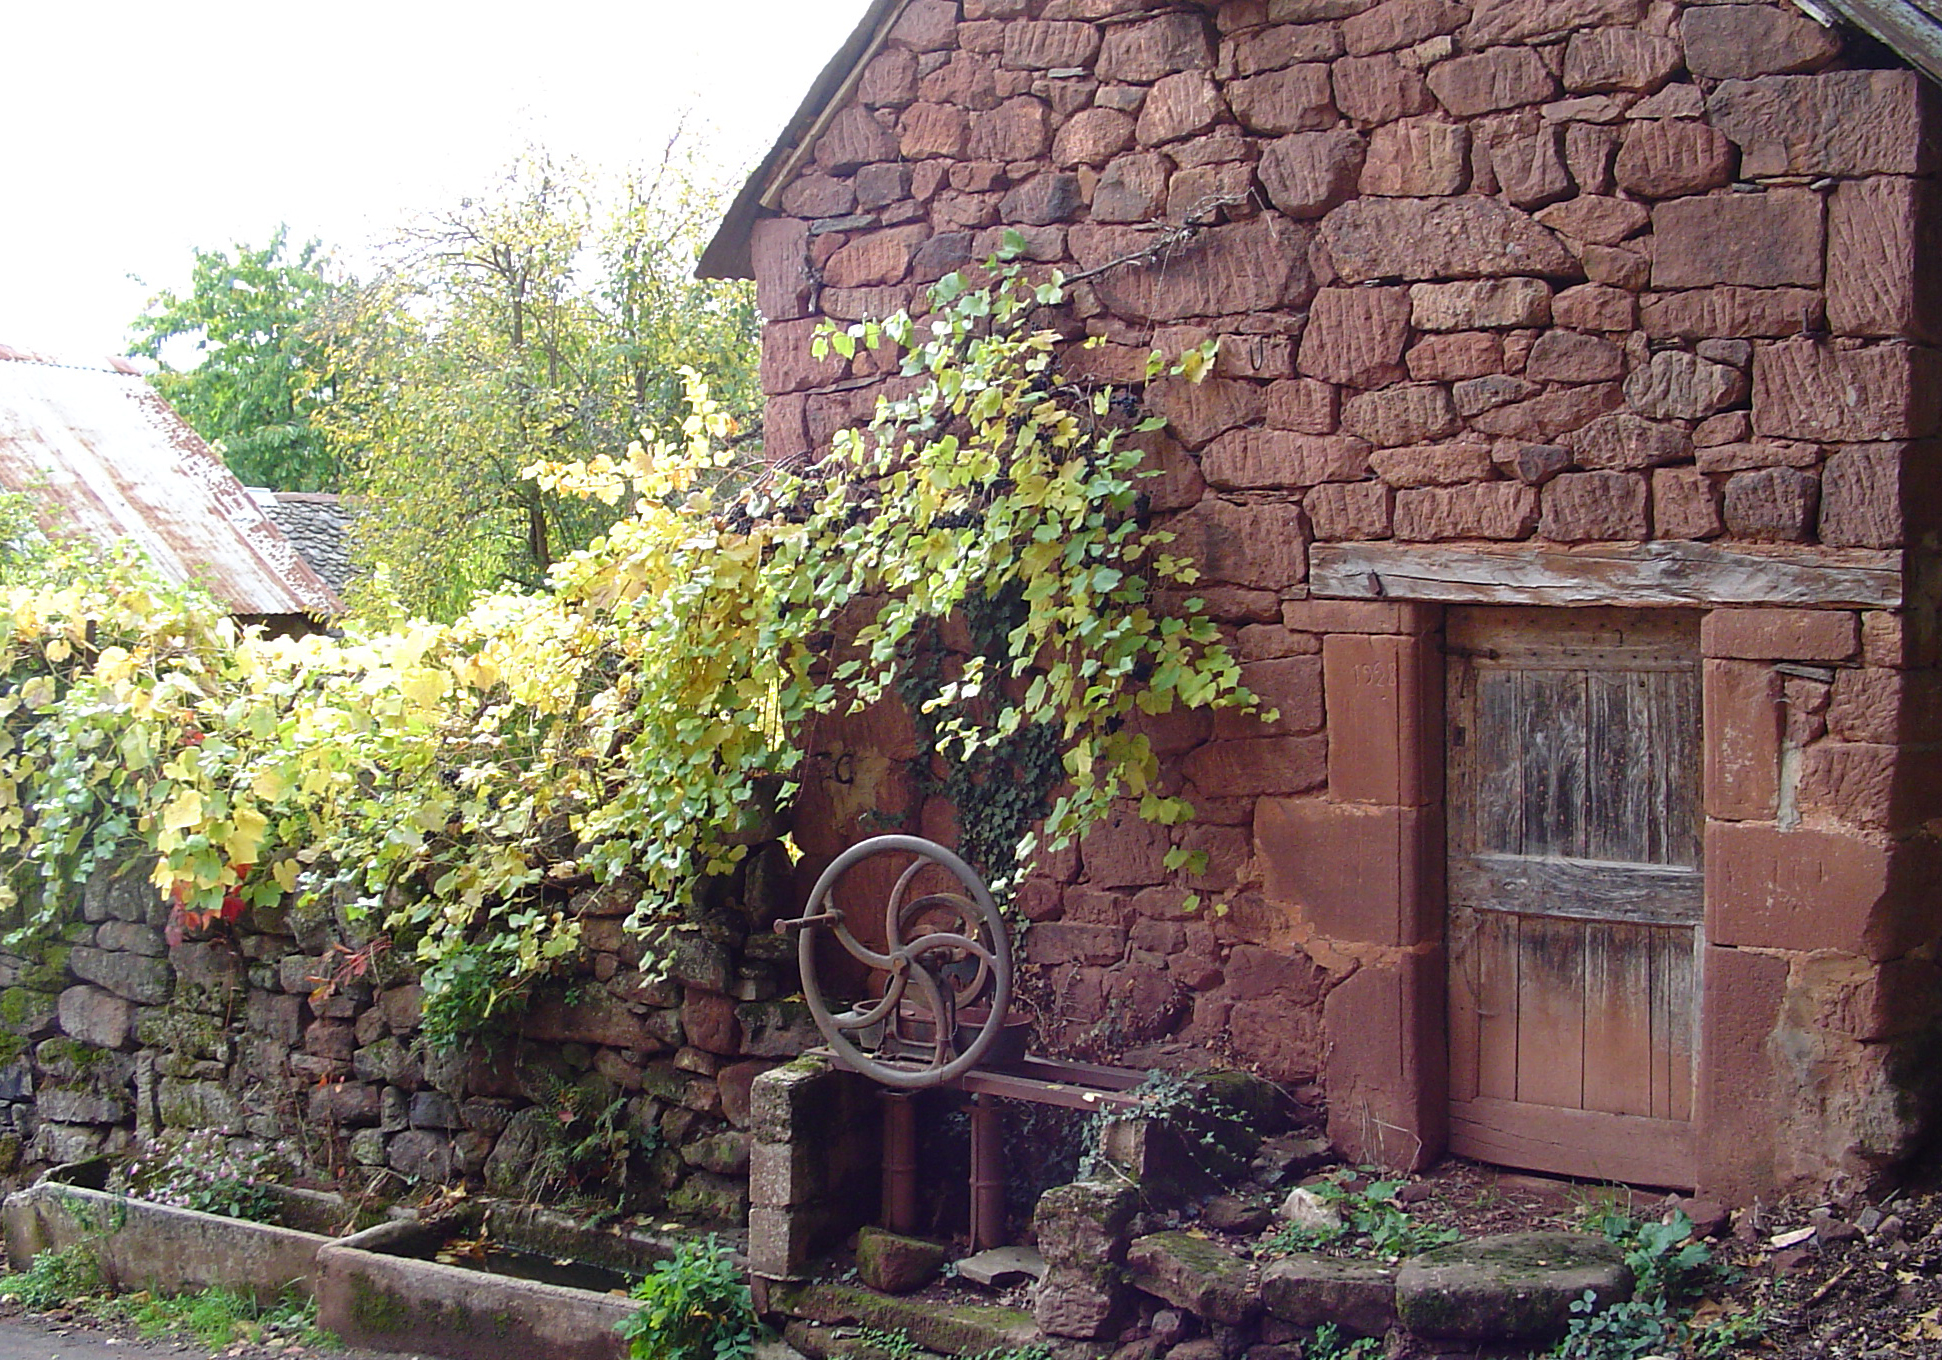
x=1045, y=46
x=1268, y=459
x=1433, y=464
x=1772, y=505
x=1302, y=404
x=1092, y=137
x=1355, y=336
x=1262, y=546
x=1807, y=890
x=1668, y=157
x=1780, y=634
x=890, y=78
x=1743, y=721
x=1193, y=1273
x=1131, y=188
x=1393, y=416
x=1602, y=60
x=1680, y=386
x=874, y=258
x=1395, y=24
x=90, y=1015
x=1455, y=356
x=1551, y=416
x=1845, y=123
x=814, y=194
x=1439, y=238
x=1254, y=266
x=1685, y=504
x=1342, y=512
x=1309, y=173
x=1379, y=89
x=1531, y=171
x=1314, y=1291
x=144, y=981
x=1179, y=106
x=854, y=138
x=1297, y=99
x=1417, y=158
x=1144, y=52
x=1507, y=21
x=1589, y=507
x=1733, y=42
x=779, y=250
x=1861, y=497
x=1382, y=695
x=1272, y=49
x=1570, y=356
x=1767, y=313
x=1883, y=238
x=1493, y=510
x=1595, y=307
x=1357, y=872
x=1258, y=765
x=1385, y=1071
x=1517, y=1286
x=1806, y=390
x=788, y=362
x=1197, y=412
x=1017, y=130
x=1597, y=219
x=1765, y=240
x=1501, y=78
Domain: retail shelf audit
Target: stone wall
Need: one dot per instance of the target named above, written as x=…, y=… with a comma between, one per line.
x=1519, y=275
x=117, y=1034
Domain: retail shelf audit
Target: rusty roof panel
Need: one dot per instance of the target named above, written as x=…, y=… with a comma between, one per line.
x=108, y=458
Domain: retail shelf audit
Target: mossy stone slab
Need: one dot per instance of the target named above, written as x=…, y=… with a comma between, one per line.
x=1509, y=1287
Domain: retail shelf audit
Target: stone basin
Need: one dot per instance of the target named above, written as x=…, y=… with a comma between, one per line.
x=383, y=1289
x=139, y=1244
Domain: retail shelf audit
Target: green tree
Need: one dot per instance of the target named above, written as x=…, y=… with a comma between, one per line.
x=544, y=319
x=262, y=373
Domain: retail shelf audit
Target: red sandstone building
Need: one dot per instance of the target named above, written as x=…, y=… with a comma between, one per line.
x=1567, y=483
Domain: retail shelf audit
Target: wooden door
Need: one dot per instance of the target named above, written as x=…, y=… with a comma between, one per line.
x=1575, y=889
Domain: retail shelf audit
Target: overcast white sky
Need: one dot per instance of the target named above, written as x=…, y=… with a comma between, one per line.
x=137, y=132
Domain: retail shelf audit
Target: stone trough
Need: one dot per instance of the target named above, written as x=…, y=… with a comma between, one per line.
x=139, y=1244
x=524, y=1282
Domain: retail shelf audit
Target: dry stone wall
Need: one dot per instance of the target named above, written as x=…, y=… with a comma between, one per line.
x=1542, y=272
x=117, y=1035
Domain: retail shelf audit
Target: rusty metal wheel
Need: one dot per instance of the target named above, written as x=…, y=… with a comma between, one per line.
x=946, y=965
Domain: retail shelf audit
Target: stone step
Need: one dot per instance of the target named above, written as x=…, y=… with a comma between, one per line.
x=949, y=1328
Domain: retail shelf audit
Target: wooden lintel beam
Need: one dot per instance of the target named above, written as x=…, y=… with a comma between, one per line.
x=1651, y=575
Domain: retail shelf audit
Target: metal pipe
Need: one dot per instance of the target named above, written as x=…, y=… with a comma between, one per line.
x=899, y=1161
x=987, y=1174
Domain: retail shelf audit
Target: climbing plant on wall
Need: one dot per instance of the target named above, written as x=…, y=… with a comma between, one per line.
x=639, y=715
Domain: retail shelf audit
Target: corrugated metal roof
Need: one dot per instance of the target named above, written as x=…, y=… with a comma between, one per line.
x=109, y=459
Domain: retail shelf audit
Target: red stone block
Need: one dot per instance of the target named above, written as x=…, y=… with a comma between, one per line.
x=1433, y=464
x=1356, y=336
x=1506, y=21
x=1308, y=173
x=1365, y=874
x=1179, y=106
x=1592, y=507
x=874, y=258
x=1342, y=512
x=1401, y=23
x=1737, y=41
x=1737, y=1094
x=1391, y=417
x=1360, y=616
x=1573, y=357
x=1843, y=123
x=1608, y=59
x=1260, y=265
x=1764, y=240
x=1260, y=765
x=1806, y=390
x=1861, y=497
x=1779, y=634
x=1197, y=412
x=1671, y=157
x=1762, y=313
x=1303, y=405
x=1454, y=356
x=1685, y=504
x=890, y=78
x=788, y=363
x=1883, y=237
x=1802, y=889
x=1379, y=89
x=1051, y=943
x=1385, y=706
x=1092, y=137
x=1742, y=724
x=1596, y=219
x=1048, y=45
x=1417, y=157
x=1017, y=130
x=1291, y=686
x=1469, y=237
x=779, y=251
x=1124, y=851
x=1387, y=1071
x=1297, y=99
x=1500, y=78
x=1493, y=510
x=1595, y=307
x=1143, y=52
x=1772, y=505
x=854, y=138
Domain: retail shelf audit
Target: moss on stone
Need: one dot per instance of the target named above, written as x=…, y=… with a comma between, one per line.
x=378, y=1310
x=48, y=973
